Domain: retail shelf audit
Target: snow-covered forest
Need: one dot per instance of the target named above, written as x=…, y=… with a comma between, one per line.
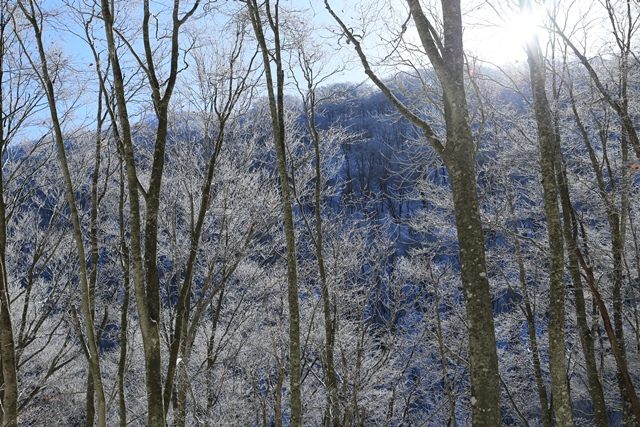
x=322, y=213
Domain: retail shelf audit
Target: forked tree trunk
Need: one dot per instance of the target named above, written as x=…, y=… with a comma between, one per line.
x=145, y=269
x=155, y=412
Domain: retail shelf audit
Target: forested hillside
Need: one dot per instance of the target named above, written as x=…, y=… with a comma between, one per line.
x=206, y=220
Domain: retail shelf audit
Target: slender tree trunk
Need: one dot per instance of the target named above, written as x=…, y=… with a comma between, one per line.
x=619, y=248
x=616, y=219
x=124, y=313
x=7, y=342
x=547, y=146
x=180, y=410
x=545, y=408
x=584, y=332
x=276, y=105
x=277, y=395
x=211, y=353
x=94, y=362
x=570, y=233
x=310, y=104
x=93, y=238
x=452, y=422
x=623, y=370
x=184, y=300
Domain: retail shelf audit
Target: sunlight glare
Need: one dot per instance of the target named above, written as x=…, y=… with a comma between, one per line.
x=504, y=42
x=523, y=27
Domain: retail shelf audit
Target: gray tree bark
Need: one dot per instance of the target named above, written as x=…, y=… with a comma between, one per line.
x=547, y=146
x=7, y=343
x=32, y=13
x=276, y=108
x=447, y=58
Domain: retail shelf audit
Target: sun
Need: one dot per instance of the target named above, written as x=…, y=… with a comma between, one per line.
x=499, y=36
x=523, y=26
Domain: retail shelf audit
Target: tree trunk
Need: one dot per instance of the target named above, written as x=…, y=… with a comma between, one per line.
x=584, y=332
x=124, y=313
x=276, y=106
x=485, y=386
x=446, y=55
x=547, y=146
x=145, y=271
x=94, y=362
x=309, y=105
x=623, y=370
x=152, y=377
x=545, y=409
x=7, y=342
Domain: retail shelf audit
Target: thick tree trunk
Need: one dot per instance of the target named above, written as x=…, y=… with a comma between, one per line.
x=446, y=55
x=485, y=382
x=459, y=158
x=153, y=349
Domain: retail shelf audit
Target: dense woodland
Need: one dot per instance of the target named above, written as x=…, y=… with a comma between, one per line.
x=204, y=220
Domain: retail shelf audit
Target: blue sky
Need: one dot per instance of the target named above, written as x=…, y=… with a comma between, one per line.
x=493, y=33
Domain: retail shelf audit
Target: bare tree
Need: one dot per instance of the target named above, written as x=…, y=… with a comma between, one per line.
x=457, y=149
x=310, y=62
x=11, y=119
x=145, y=271
x=547, y=140
x=258, y=14
x=35, y=17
